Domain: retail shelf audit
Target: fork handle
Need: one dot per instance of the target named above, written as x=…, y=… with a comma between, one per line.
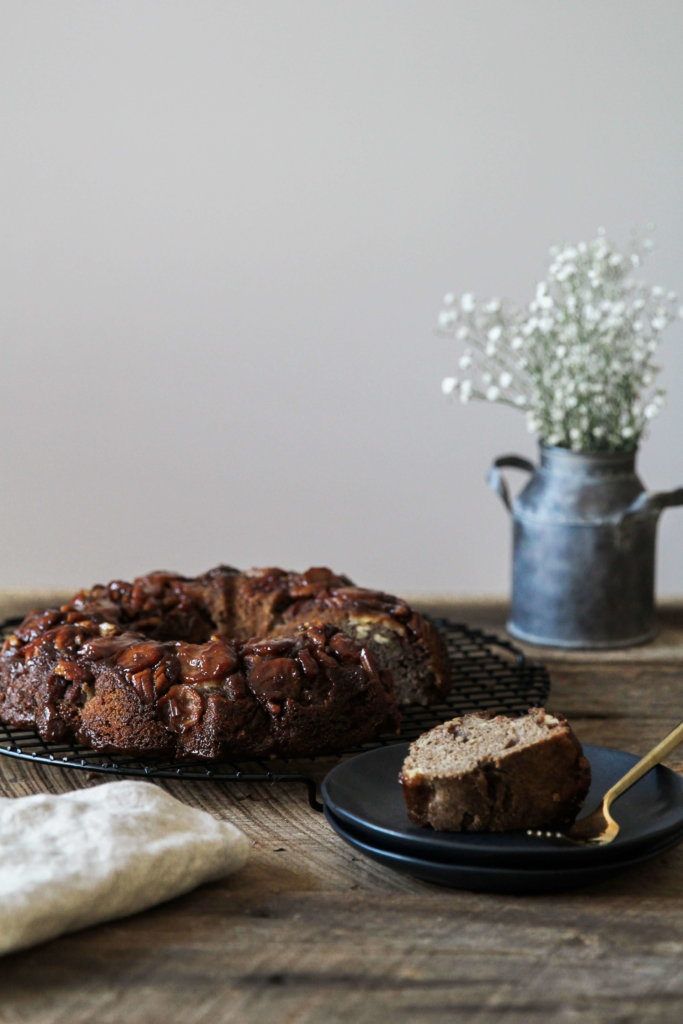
x=643, y=766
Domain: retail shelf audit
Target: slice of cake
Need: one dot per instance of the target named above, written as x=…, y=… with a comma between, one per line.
x=485, y=772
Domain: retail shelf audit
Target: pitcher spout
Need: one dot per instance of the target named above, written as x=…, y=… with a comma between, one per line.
x=655, y=502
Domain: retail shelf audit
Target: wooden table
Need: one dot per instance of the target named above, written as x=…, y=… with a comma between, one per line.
x=310, y=931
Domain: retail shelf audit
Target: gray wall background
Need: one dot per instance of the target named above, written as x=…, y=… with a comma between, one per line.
x=226, y=231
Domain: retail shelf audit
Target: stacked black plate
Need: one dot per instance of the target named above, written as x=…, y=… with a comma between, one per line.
x=364, y=804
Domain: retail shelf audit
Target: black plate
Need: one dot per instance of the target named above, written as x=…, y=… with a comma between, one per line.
x=363, y=793
x=478, y=878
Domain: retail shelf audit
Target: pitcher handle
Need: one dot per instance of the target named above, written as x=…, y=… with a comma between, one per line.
x=656, y=501
x=496, y=480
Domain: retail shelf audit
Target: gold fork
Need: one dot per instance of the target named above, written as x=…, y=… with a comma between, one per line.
x=599, y=827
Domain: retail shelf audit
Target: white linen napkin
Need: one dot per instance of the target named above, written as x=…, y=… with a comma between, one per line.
x=80, y=858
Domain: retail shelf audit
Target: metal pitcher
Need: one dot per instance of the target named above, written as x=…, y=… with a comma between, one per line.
x=583, y=548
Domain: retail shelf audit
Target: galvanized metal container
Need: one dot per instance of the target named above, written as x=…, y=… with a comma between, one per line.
x=583, y=548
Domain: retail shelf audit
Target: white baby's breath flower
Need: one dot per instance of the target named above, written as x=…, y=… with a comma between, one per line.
x=580, y=355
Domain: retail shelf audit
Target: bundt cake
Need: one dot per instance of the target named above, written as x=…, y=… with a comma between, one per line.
x=227, y=664
x=490, y=773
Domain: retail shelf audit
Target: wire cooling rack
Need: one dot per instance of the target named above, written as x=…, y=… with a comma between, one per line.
x=487, y=672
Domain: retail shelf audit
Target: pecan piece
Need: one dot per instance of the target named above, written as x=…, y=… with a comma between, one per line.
x=66, y=669
x=344, y=648
x=368, y=662
x=203, y=663
x=181, y=708
x=161, y=680
x=140, y=656
x=308, y=663
x=64, y=638
x=277, y=677
x=144, y=685
x=279, y=645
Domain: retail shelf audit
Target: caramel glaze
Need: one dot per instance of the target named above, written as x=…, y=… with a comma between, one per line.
x=229, y=664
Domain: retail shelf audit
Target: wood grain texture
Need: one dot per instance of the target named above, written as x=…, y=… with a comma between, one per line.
x=310, y=931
